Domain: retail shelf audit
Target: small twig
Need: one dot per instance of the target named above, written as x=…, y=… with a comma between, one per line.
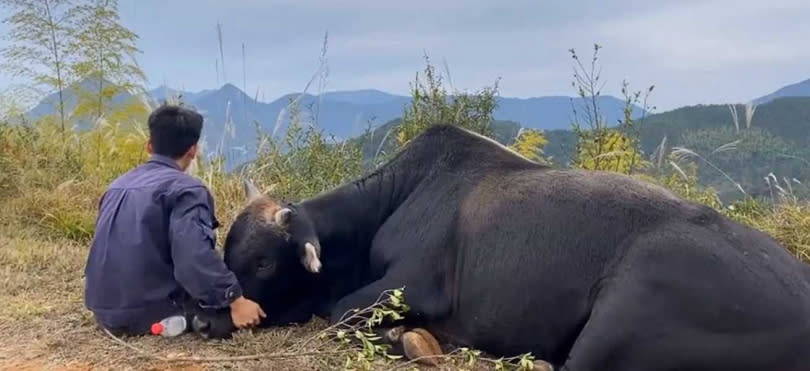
x=343, y=321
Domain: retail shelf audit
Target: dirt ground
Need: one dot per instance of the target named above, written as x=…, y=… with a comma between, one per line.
x=46, y=327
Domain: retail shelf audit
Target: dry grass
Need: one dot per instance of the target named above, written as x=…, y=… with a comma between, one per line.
x=791, y=226
x=46, y=326
x=45, y=322
x=788, y=222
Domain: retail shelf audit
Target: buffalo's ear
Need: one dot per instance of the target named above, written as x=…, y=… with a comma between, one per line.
x=251, y=192
x=311, y=259
x=282, y=217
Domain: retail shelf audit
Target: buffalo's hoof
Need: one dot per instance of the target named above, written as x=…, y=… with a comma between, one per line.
x=200, y=327
x=420, y=345
x=541, y=365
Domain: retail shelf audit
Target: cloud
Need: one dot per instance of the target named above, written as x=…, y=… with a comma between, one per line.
x=694, y=51
x=712, y=51
x=713, y=34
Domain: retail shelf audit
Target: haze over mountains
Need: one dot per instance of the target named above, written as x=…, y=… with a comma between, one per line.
x=346, y=114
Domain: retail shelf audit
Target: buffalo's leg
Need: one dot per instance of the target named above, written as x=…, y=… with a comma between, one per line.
x=405, y=336
x=631, y=330
x=696, y=311
x=413, y=343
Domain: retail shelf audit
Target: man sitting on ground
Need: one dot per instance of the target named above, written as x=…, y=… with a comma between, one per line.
x=153, y=250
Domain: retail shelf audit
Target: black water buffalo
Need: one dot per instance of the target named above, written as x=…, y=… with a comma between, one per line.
x=587, y=270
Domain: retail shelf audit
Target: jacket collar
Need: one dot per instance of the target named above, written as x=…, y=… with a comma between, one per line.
x=164, y=160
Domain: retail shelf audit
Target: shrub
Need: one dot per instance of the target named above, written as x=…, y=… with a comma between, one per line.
x=431, y=105
x=529, y=143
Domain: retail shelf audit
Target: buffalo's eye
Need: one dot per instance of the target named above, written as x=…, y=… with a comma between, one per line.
x=266, y=265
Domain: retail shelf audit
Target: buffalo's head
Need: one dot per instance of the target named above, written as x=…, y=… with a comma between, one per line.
x=274, y=252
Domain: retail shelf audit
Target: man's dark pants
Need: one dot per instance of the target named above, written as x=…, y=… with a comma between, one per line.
x=186, y=307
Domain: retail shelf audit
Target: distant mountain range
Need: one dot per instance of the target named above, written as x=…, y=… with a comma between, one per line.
x=346, y=114
x=343, y=114
x=799, y=89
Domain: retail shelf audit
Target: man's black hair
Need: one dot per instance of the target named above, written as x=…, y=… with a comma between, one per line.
x=174, y=129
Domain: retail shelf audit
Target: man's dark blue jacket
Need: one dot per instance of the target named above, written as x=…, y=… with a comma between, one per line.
x=153, y=245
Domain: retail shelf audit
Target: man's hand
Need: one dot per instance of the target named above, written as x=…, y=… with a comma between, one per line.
x=246, y=313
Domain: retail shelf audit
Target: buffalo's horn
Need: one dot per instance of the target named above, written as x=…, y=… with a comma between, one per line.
x=311, y=260
x=251, y=192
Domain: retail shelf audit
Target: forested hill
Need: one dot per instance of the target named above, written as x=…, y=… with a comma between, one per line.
x=777, y=141
x=787, y=118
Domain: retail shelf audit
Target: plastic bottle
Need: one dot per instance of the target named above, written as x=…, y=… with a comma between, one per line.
x=170, y=326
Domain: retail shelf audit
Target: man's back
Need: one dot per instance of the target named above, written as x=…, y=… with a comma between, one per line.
x=131, y=279
x=153, y=250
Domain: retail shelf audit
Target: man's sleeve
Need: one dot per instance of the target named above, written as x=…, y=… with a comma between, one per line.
x=197, y=265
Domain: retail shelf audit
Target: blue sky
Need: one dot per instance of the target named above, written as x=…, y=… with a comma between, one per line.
x=694, y=51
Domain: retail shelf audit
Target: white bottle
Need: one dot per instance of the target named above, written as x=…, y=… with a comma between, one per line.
x=170, y=326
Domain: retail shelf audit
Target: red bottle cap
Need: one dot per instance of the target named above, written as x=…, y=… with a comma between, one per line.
x=157, y=328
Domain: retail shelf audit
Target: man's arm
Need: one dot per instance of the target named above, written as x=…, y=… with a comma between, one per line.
x=197, y=266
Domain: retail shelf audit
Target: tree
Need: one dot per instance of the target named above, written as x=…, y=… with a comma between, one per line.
x=41, y=31
x=631, y=127
x=600, y=147
x=530, y=143
x=105, y=52
x=431, y=105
